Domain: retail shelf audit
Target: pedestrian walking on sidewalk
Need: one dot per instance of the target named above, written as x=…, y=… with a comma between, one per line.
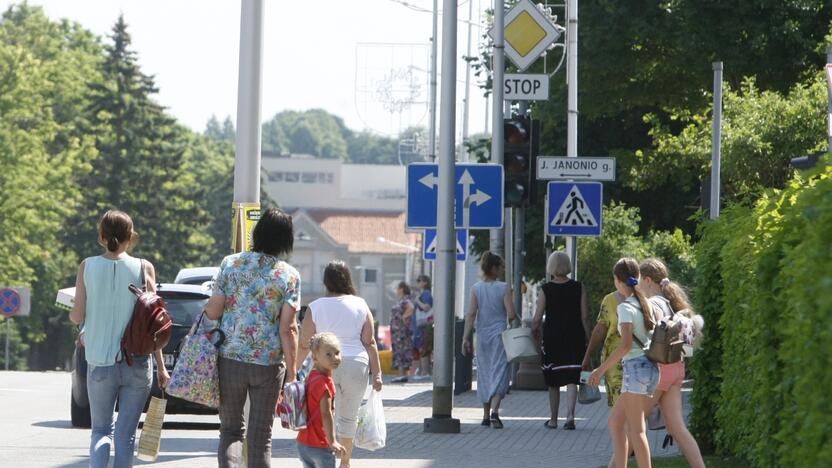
x=562, y=335
x=317, y=444
x=422, y=327
x=490, y=308
x=635, y=320
x=256, y=296
x=668, y=297
x=605, y=334
x=104, y=305
x=348, y=317
x=402, y=332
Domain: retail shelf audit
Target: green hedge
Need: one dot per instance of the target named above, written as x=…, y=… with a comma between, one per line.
x=764, y=286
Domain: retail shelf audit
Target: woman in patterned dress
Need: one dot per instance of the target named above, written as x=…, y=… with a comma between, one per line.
x=401, y=331
x=256, y=297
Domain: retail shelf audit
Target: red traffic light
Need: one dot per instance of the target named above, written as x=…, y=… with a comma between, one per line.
x=514, y=132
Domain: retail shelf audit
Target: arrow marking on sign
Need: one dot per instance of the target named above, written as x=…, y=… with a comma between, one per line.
x=479, y=198
x=430, y=181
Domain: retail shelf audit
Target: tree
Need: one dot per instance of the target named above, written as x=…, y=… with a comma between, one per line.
x=43, y=147
x=144, y=167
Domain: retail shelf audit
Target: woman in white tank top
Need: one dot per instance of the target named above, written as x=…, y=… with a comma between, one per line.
x=347, y=316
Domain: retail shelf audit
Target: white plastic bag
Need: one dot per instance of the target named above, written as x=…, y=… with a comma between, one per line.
x=372, y=430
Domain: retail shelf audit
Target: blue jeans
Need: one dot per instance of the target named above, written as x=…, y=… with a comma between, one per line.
x=131, y=386
x=316, y=457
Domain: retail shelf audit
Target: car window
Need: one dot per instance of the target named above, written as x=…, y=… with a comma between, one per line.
x=183, y=311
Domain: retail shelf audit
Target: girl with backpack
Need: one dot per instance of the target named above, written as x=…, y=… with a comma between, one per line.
x=635, y=320
x=669, y=299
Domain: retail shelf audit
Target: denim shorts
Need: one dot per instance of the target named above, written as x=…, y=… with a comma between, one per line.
x=641, y=376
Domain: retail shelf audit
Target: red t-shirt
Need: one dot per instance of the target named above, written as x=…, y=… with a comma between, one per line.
x=317, y=384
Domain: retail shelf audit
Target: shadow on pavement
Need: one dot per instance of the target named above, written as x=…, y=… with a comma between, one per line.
x=58, y=424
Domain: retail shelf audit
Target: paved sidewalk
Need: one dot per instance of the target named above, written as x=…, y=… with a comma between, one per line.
x=523, y=442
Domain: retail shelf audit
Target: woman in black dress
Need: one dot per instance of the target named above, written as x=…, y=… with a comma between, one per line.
x=562, y=335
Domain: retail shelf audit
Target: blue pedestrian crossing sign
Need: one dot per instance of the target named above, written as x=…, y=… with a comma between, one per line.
x=575, y=208
x=478, y=196
x=429, y=244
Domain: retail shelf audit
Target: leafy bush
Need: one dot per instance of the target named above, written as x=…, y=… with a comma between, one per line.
x=764, y=275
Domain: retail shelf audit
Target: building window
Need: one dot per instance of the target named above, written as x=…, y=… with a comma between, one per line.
x=275, y=176
x=370, y=275
x=309, y=177
x=292, y=177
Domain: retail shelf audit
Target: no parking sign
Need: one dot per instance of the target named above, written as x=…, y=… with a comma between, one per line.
x=14, y=302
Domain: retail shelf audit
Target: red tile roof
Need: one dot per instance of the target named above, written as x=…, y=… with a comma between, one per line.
x=368, y=231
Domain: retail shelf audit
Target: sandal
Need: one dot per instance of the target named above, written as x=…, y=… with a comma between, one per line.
x=495, y=421
x=569, y=426
x=549, y=426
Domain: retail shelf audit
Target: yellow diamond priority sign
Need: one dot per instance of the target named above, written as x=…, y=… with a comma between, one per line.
x=528, y=32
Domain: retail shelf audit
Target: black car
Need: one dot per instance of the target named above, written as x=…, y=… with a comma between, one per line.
x=184, y=304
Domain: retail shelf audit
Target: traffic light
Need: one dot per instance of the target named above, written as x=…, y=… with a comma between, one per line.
x=520, y=148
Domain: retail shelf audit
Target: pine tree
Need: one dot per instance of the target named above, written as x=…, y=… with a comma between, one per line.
x=144, y=166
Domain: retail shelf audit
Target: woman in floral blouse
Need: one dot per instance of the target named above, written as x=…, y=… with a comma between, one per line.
x=256, y=296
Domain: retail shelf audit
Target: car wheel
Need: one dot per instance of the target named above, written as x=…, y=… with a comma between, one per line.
x=80, y=415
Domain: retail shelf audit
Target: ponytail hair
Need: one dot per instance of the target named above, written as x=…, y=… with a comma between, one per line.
x=626, y=271
x=114, y=229
x=488, y=262
x=656, y=270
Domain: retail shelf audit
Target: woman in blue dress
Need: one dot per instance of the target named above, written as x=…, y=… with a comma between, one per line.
x=490, y=309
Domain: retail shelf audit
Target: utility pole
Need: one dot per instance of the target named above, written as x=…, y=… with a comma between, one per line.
x=441, y=420
x=249, y=89
x=432, y=124
x=496, y=236
x=459, y=310
x=716, y=142
x=572, y=107
x=829, y=97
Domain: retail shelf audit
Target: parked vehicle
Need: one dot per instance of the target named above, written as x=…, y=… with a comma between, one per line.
x=184, y=303
x=198, y=275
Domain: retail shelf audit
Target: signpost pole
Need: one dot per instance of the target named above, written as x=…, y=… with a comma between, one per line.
x=716, y=145
x=249, y=88
x=433, y=45
x=495, y=241
x=441, y=420
x=247, y=156
x=8, y=332
x=572, y=104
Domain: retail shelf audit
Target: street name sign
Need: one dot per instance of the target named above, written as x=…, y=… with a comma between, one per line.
x=575, y=208
x=528, y=32
x=15, y=302
x=580, y=168
x=478, y=196
x=429, y=244
x=528, y=87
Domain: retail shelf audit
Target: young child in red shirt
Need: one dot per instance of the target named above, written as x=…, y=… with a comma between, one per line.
x=317, y=446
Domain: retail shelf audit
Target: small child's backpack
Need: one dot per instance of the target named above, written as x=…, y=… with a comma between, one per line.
x=291, y=409
x=150, y=326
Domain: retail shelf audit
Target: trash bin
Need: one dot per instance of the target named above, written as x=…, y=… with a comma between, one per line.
x=463, y=365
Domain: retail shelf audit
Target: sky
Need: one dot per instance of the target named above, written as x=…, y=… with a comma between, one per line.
x=366, y=61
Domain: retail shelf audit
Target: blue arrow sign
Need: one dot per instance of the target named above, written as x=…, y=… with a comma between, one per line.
x=429, y=244
x=575, y=208
x=478, y=196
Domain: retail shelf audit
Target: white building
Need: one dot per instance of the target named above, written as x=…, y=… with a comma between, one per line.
x=307, y=182
x=351, y=212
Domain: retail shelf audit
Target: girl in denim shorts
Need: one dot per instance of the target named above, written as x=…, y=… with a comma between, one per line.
x=635, y=320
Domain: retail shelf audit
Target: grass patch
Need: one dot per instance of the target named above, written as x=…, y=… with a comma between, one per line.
x=680, y=462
